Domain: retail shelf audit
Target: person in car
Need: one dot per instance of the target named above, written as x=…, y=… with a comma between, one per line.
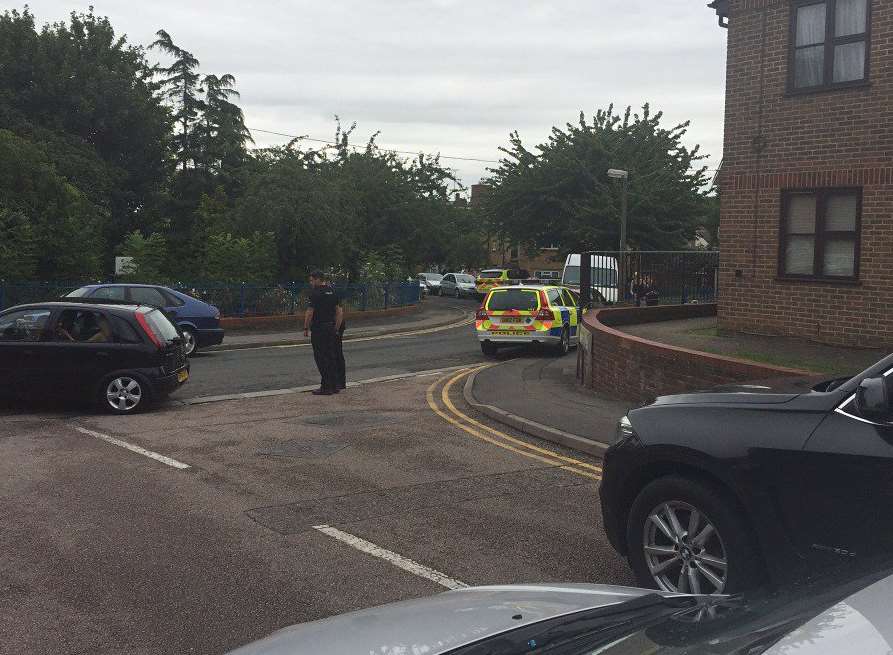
x=65, y=327
x=103, y=331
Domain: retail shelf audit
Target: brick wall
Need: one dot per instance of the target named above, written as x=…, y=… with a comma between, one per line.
x=776, y=141
x=621, y=365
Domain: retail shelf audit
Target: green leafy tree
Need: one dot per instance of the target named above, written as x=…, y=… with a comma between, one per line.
x=560, y=193
x=86, y=96
x=63, y=237
x=18, y=246
x=149, y=257
x=241, y=259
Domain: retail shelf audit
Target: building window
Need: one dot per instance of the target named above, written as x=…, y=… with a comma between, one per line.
x=829, y=43
x=820, y=234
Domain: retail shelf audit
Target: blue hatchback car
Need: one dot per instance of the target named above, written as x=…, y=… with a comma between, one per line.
x=198, y=321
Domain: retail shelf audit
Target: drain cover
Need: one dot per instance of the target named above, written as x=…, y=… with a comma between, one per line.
x=301, y=448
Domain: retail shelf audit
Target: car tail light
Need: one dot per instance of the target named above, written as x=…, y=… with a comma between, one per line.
x=141, y=319
x=544, y=314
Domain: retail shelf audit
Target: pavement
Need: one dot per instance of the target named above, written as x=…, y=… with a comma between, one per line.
x=539, y=395
x=434, y=313
x=198, y=528
x=702, y=334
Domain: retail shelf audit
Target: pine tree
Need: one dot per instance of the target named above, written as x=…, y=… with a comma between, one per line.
x=180, y=84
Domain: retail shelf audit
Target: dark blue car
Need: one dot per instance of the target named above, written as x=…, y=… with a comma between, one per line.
x=198, y=321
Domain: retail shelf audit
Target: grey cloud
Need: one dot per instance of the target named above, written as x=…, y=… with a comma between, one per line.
x=449, y=75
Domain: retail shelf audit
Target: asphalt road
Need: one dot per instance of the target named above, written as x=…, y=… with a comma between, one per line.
x=238, y=371
x=107, y=549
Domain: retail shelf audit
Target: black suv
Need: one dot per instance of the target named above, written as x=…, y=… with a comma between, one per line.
x=718, y=491
x=121, y=356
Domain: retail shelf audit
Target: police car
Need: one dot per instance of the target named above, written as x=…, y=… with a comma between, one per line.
x=528, y=314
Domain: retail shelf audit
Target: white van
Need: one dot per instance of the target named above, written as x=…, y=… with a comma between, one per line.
x=604, y=275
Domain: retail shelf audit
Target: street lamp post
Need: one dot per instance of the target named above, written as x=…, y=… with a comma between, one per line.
x=623, y=176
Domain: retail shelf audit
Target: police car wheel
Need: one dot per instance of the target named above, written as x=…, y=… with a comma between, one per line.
x=489, y=349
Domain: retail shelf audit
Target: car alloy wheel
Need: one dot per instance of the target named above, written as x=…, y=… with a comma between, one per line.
x=124, y=394
x=189, y=342
x=684, y=551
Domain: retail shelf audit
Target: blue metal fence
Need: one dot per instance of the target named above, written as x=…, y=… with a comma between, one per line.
x=240, y=299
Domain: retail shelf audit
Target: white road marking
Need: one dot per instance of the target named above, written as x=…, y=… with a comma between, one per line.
x=204, y=400
x=136, y=449
x=391, y=557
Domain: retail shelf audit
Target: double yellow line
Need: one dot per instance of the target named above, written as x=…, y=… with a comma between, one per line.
x=449, y=413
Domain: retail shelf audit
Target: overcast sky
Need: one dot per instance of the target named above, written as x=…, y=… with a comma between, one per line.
x=448, y=76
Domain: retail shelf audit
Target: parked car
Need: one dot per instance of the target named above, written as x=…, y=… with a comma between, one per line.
x=528, y=314
x=197, y=320
x=497, y=277
x=122, y=357
x=458, y=285
x=833, y=616
x=719, y=490
x=432, y=282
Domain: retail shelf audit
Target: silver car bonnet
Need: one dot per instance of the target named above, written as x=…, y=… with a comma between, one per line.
x=439, y=623
x=862, y=623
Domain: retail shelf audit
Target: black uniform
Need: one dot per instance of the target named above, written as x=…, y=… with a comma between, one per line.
x=323, y=337
x=340, y=365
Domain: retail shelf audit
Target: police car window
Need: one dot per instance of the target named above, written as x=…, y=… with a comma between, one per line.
x=490, y=275
x=555, y=297
x=25, y=325
x=568, y=298
x=522, y=300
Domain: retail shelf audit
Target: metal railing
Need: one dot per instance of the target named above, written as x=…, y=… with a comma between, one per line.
x=240, y=299
x=656, y=277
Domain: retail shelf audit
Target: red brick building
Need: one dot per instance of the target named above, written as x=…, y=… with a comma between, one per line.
x=807, y=179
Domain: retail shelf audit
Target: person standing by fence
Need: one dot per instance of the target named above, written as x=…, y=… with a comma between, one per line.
x=322, y=322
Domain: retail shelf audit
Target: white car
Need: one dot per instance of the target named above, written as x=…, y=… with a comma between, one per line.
x=458, y=285
x=432, y=281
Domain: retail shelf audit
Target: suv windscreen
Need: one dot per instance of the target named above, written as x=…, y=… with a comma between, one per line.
x=522, y=300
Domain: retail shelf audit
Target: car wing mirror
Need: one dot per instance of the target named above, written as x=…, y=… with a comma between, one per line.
x=873, y=399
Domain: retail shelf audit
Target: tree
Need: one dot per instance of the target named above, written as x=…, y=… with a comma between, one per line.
x=180, y=84
x=86, y=97
x=149, y=256
x=241, y=259
x=225, y=134
x=559, y=193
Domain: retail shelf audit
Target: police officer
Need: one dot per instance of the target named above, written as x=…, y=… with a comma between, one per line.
x=322, y=323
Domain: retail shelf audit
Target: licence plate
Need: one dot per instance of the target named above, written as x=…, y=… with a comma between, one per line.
x=511, y=333
x=511, y=319
x=182, y=376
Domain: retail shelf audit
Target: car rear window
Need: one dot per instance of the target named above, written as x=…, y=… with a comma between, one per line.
x=162, y=327
x=522, y=300
x=490, y=275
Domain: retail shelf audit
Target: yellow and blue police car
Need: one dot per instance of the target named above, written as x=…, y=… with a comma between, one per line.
x=528, y=314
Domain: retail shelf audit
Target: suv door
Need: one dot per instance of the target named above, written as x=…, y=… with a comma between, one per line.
x=23, y=356
x=844, y=505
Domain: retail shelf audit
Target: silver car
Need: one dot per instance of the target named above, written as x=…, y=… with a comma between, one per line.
x=822, y=618
x=458, y=285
